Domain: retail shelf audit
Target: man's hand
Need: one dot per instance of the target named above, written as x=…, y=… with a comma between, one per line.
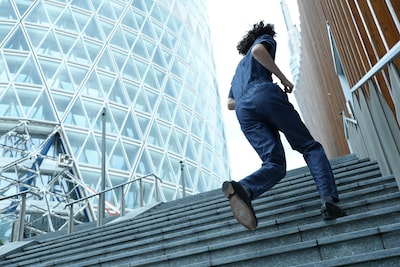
x=287, y=86
x=231, y=104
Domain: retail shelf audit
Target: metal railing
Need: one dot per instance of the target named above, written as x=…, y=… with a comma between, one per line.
x=122, y=200
x=21, y=220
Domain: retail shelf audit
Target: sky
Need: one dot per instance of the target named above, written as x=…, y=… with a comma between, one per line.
x=229, y=22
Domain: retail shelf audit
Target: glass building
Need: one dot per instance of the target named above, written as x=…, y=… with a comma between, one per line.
x=143, y=70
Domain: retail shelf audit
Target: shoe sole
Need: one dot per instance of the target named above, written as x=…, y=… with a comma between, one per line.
x=332, y=212
x=242, y=213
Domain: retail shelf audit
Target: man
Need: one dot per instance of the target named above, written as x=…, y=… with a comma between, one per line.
x=263, y=110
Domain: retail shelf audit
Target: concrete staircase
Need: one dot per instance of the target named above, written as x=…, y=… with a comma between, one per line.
x=200, y=230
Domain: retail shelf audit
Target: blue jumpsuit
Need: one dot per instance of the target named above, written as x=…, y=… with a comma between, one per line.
x=263, y=110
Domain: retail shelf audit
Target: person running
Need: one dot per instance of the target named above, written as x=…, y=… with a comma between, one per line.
x=263, y=110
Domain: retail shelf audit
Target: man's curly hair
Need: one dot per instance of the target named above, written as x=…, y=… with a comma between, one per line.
x=258, y=29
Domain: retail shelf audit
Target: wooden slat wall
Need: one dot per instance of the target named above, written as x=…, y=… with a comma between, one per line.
x=364, y=30
x=319, y=94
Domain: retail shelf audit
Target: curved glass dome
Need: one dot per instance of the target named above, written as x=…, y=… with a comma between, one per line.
x=148, y=63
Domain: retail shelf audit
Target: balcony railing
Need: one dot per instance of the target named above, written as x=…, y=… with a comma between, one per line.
x=100, y=194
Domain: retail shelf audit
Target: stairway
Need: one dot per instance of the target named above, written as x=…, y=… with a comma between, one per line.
x=200, y=230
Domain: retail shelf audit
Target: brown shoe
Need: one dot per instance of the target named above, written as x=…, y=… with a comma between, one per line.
x=240, y=204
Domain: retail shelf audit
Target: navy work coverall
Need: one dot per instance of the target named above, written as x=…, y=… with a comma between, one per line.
x=263, y=109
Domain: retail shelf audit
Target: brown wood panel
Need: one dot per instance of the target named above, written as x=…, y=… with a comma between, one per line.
x=386, y=22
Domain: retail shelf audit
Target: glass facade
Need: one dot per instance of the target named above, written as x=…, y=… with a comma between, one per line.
x=149, y=64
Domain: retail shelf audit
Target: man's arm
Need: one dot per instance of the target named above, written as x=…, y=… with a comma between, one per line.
x=231, y=104
x=261, y=54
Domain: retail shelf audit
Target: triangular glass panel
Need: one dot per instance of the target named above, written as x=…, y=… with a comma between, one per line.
x=141, y=5
x=166, y=172
x=36, y=35
x=130, y=70
x=151, y=79
x=49, y=46
x=154, y=137
x=14, y=63
x=132, y=151
x=66, y=21
x=3, y=71
x=76, y=141
x=119, y=117
x=5, y=28
x=23, y=6
x=107, y=27
x=81, y=20
x=174, y=23
x=139, y=19
x=78, y=53
x=143, y=123
x=159, y=14
x=83, y=4
x=157, y=159
x=152, y=97
x=26, y=97
x=181, y=119
x=173, y=143
x=77, y=116
x=93, y=49
x=117, y=93
x=93, y=30
x=9, y=104
x=142, y=103
x=130, y=21
x=105, y=62
x=118, y=7
x=29, y=73
x=141, y=67
x=163, y=110
x=42, y=108
x=93, y=109
x=159, y=59
x=132, y=90
x=106, y=82
x=79, y=72
x=54, y=11
x=119, y=39
x=91, y=153
x=66, y=42
x=164, y=131
x=61, y=101
x=7, y=11
x=167, y=56
x=201, y=183
x=38, y=15
x=168, y=40
x=106, y=10
x=92, y=87
x=119, y=58
x=48, y=67
x=118, y=159
x=130, y=129
x=170, y=88
x=62, y=79
x=139, y=49
x=148, y=30
x=144, y=166
x=17, y=41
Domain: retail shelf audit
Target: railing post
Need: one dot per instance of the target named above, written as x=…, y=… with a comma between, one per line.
x=141, y=192
x=122, y=202
x=71, y=218
x=21, y=221
x=156, y=189
x=183, y=180
x=102, y=197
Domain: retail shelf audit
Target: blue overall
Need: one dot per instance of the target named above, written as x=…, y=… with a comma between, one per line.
x=263, y=110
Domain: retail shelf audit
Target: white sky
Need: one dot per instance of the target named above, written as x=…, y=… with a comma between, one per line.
x=229, y=21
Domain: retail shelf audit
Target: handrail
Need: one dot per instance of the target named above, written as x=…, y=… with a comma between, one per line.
x=22, y=211
x=388, y=57
x=122, y=201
